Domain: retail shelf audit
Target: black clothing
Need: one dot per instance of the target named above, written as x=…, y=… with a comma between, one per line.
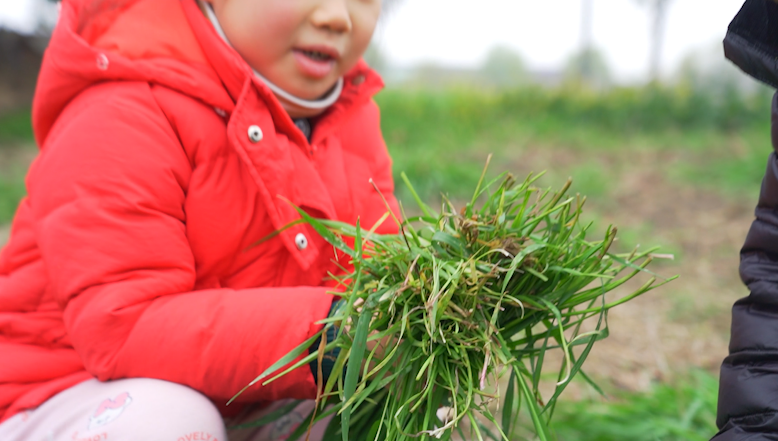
x=748, y=392
x=304, y=124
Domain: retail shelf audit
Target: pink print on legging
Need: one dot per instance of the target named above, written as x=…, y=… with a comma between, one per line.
x=109, y=410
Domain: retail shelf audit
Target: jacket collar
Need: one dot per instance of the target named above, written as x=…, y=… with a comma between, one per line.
x=360, y=84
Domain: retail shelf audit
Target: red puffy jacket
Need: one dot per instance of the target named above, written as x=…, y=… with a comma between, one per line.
x=131, y=255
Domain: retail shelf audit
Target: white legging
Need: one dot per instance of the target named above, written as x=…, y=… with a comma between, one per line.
x=143, y=409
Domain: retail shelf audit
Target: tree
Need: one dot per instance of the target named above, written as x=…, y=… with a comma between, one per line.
x=503, y=67
x=658, y=10
x=592, y=60
x=586, y=64
x=703, y=70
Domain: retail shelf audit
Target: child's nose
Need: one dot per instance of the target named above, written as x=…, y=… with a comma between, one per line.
x=333, y=15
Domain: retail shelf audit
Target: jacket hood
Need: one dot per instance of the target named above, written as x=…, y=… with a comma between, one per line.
x=165, y=42
x=751, y=42
x=121, y=40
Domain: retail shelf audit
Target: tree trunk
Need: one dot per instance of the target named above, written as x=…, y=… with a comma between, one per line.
x=587, y=43
x=657, y=38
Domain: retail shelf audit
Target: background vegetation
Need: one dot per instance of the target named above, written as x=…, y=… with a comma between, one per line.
x=435, y=136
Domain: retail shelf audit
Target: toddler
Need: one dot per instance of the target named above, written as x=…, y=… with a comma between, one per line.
x=172, y=135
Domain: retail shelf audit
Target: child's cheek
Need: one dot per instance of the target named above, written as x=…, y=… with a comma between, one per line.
x=362, y=34
x=266, y=23
x=284, y=17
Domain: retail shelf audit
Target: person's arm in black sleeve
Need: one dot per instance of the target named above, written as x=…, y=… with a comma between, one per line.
x=748, y=392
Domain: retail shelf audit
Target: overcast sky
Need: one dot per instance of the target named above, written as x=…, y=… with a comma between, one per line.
x=547, y=32
x=24, y=15
x=544, y=32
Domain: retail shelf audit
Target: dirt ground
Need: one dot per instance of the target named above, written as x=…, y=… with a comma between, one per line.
x=685, y=324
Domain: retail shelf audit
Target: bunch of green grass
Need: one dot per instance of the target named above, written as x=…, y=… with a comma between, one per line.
x=459, y=299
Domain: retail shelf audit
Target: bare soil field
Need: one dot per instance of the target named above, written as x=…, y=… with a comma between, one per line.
x=685, y=324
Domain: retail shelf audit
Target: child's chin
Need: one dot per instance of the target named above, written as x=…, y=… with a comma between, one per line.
x=313, y=90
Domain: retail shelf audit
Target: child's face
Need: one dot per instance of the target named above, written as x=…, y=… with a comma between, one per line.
x=302, y=46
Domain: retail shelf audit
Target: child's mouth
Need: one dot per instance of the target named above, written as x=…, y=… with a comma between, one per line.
x=316, y=56
x=314, y=63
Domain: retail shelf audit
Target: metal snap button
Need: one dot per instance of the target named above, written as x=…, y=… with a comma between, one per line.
x=255, y=134
x=301, y=241
x=102, y=62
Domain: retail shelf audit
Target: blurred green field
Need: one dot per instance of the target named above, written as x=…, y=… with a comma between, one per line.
x=684, y=410
x=719, y=142
x=669, y=165
x=16, y=151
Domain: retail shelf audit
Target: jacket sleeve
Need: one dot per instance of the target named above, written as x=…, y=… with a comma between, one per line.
x=108, y=196
x=748, y=394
